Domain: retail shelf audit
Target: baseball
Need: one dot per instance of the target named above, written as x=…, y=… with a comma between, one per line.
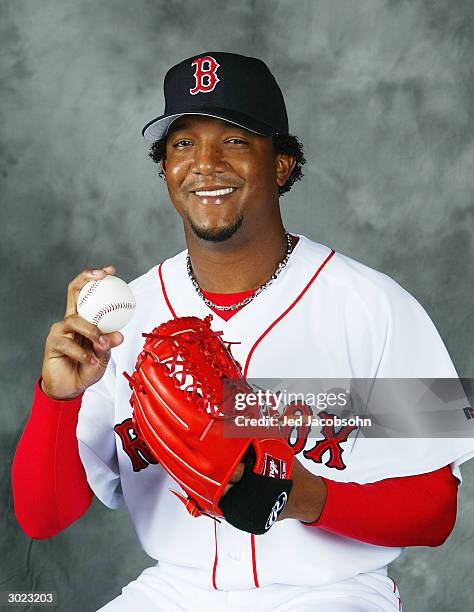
x=108, y=303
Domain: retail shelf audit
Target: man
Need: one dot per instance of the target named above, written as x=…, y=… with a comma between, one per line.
x=298, y=310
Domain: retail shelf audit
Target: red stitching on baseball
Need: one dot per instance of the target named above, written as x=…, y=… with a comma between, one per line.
x=110, y=308
x=89, y=292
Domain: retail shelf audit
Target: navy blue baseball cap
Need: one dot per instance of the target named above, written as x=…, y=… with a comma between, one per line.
x=228, y=86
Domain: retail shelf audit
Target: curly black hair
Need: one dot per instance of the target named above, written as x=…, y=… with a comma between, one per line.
x=283, y=143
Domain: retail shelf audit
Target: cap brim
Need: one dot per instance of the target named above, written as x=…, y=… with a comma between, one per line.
x=158, y=128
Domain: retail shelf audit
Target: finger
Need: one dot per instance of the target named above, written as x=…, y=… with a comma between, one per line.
x=226, y=488
x=65, y=346
x=106, y=342
x=79, y=281
x=238, y=473
x=114, y=338
x=74, y=324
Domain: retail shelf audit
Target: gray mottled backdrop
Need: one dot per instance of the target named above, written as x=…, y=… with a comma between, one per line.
x=381, y=93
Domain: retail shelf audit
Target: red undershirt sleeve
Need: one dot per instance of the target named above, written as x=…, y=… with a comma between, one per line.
x=50, y=488
x=415, y=510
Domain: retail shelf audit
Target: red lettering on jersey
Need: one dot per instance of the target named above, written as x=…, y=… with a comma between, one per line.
x=332, y=442
x=205, y=75
x=135, y=447
x=292, y=431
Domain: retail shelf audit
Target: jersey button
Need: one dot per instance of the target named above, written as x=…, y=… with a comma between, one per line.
x=234, y=555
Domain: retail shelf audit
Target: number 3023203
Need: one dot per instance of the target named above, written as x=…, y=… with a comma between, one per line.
x=40, y=598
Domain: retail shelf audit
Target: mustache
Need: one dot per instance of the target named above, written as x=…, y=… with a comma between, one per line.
x=217, y=183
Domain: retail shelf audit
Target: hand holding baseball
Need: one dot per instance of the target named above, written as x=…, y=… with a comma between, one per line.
x=76, y=351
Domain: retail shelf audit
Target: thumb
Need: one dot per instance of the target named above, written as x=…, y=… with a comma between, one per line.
x=106, y=342
x=115, y=338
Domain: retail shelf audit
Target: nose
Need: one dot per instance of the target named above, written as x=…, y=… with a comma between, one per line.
x=207, y=159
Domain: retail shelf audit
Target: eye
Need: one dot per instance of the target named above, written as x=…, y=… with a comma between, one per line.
x=180, y=144
x=236, y=140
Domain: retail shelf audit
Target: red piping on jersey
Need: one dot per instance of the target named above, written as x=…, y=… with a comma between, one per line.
x=214, y=569
x=165, y=295
x=246, y=368
x=283, y=314
x=395, y=591
x=254, y=560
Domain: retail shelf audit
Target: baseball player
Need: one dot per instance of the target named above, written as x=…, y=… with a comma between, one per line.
x=297, y=310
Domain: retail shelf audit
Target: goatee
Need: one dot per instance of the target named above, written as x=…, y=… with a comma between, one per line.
x=217, y=235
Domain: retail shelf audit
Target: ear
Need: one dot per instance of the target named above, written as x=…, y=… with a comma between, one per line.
x=163, y=165
x=284, y=165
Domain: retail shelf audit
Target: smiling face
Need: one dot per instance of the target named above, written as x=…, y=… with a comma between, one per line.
x=221, y=177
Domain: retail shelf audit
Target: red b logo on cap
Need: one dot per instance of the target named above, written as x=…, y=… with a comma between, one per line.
x=205, y=75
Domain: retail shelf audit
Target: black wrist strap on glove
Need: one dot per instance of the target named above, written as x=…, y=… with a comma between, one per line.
x=254, y=503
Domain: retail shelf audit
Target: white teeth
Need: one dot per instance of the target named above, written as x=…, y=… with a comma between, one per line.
x=216, y=192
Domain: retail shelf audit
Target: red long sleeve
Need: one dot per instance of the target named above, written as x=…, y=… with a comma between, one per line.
x=415, y=510
x=50, y=488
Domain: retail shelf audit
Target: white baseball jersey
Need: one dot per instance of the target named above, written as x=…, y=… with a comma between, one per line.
x=325, y=316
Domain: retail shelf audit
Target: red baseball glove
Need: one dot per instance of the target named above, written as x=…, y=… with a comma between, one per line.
x=178, y=410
